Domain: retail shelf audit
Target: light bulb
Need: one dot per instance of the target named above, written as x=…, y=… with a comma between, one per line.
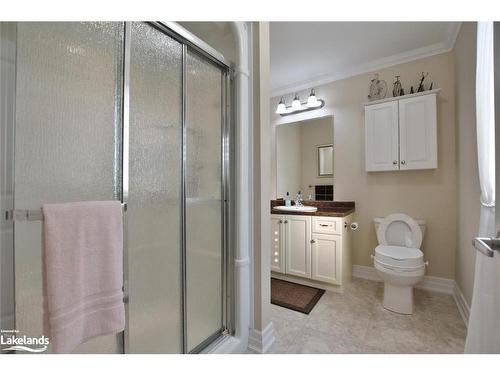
x=296, y=106
x=281, y=107
x=312, y=101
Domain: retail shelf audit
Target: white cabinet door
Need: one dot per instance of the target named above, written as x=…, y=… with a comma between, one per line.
x=277, y=244
x=297, y=245
x=381, y=137
x=327, y=258
x=418, y=132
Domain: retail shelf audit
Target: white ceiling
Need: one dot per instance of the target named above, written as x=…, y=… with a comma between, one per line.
x=306, y=54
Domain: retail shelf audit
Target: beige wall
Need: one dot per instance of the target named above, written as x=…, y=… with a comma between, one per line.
x=468, y=180
x=425, y=194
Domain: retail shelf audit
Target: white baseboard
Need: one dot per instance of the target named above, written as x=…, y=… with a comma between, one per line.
x=431, y=283
x=365, y=272
x=437, y=284
x=463, y=306
x=260, y=341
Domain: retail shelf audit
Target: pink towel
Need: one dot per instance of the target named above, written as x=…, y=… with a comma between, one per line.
x=83, y=264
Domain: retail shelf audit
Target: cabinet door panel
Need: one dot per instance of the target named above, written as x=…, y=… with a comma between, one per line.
x=381, y=137
x=297, y=245
x=277, y=253
x=326, y=258
x=417, y=132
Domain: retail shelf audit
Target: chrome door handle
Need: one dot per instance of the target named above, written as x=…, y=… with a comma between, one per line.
x=395, y=162
x=487, y=246
x=403, y=162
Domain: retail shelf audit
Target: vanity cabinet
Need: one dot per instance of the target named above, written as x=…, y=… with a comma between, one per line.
x=401, y=133
x=311, y=247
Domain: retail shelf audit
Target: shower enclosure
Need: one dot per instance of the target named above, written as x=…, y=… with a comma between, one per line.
x=137, y=112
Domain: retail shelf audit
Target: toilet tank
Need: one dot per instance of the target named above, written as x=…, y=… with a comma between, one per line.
x=398, y=232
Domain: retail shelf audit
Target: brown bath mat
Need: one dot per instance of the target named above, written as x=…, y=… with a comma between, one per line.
x=294, y=296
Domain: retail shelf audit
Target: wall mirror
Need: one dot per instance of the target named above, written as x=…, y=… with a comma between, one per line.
x=304, y=159
x=325, y=161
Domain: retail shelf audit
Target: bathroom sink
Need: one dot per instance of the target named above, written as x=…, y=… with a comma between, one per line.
x=296, y=208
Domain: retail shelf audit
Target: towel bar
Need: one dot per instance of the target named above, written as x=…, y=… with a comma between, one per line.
x=487, y=246
x=32, y=215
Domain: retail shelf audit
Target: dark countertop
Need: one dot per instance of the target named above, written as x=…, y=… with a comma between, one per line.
x=330, y=209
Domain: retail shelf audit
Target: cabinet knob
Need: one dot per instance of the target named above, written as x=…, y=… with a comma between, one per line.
x=313, y=241
x=403, y=162
x=395, y=162
x=286, y=221
x=281, y=221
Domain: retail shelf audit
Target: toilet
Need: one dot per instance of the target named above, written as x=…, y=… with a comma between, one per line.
x=398, y=260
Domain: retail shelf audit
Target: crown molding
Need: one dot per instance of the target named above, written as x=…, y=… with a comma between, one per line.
x=419, y=53
x=452, y=34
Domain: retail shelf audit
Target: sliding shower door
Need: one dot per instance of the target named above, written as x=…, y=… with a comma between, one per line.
x=175, y=206
x=68, y=85
x=204, y=247
x=154, y=197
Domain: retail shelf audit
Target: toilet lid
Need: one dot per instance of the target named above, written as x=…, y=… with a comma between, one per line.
x=399, y=256
x=404, y=226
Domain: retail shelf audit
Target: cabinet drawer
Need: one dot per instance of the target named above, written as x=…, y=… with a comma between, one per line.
x=326, y=225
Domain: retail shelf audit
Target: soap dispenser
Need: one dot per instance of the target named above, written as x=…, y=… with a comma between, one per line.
x=288, y=201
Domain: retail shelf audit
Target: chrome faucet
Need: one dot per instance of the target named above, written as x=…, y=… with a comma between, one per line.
x=298, y=199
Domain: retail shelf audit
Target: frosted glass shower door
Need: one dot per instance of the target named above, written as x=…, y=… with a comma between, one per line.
x=154, y=201
x=204, y=248
x=67, y=90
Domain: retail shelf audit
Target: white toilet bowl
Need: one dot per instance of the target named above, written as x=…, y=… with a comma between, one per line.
x=398, y=260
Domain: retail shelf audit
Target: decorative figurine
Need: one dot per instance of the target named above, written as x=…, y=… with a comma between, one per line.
x=378, y=89
x=421, y=85
x=397, y=89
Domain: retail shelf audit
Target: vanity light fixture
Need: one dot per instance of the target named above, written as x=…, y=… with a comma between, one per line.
x=281, y=107
x=312, y=103
x=296, y=105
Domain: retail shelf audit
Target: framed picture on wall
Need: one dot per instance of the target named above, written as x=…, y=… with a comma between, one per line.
x=325, y=160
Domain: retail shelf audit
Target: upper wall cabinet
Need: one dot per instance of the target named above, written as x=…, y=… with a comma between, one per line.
x=401, y=133
x=381, y=137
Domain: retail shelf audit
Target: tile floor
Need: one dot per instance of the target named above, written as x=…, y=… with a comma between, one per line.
x=356, y=322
